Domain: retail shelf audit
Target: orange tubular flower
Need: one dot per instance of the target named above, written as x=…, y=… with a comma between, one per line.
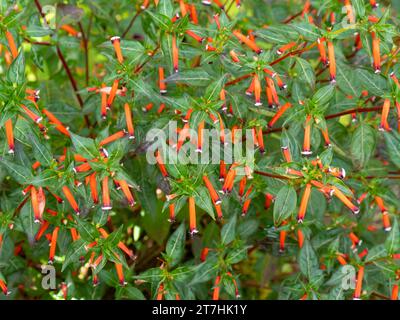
x=246, y=205
x=282, y=238
x=171, y=213
x=332, y=62
x=106, y=194
x=380, y=204
x=257, y=91
x=222, y=170
x=200, y=137
x=322, y=51
x=116, y=42
x=161, y=84
x=285, y=48
x=113, y=93
x=11, y=44
x=386, y=221
x=268, y=201
x=357, y=291
x=192, y=216
x=341, y=258
x=327, y=140
x=160, y=292
x=304, y=203
x=10, y=136
x=281, y=84
x=384, y=125
x=339, y=194
x=271, y=85
x=53, y=244
x=395, y=79
x=234, y=56
x=71, y=199
x=35, y=205
x=277, y=115
x=175, y=54
x=213, y=194
x=228, y=184
x=129, y=123
x=216, y=288
x=127, y=192
x=204, y=254
x=349, y=11
x=31, y=115
x=251, y=44
x=103, y=103
x=93, y=188
x=395, y=292
x=307, y=137
x=260, y=139
x=242, y=186
x=120, y=273
x=194, y=36
x=145, y=4
x=182, y=6
x=219, y=211
x=193, y=14
x=300, y=238
x=363, y=253
x=82, y=168
x=376, y=52
x=42, y=230
x=161, y=164
x=118, y=135
x=286, y=154
x=3, y=287
x=70, y=30
x=250, y=89
x=373, y=19
x=354, y=239
x=374, y=4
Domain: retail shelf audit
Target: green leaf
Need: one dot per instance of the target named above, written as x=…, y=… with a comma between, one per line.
x=392, y=139
x=308, y=261
x=376, y=252
x=285, y=204
x=84, y=146
x=129, y=292
x=308, y=31
x=41, y=150
x=323, y=95
x=192, y=77
x=26, y=221
x=305, y=71
x=16, y=72
x=359, y=7
x=277, y=34
x=347, y=81
x=203, y=200
x=392, y=242
x=75, y=251
x=374, y=83
x=176, y=246
x=228, y=232
x=86, y=230
x=363, y=144
x=20, y=174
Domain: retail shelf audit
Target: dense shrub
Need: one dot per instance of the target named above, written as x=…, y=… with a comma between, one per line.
x=312, y=86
